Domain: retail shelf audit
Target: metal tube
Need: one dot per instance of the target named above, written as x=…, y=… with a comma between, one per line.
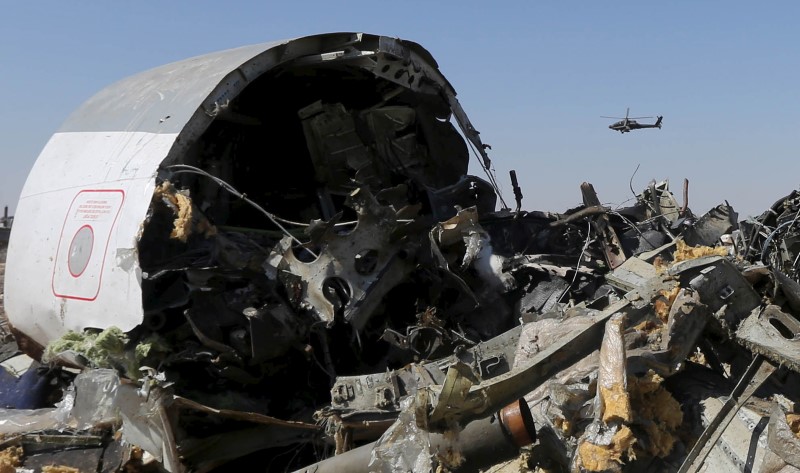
x=482, y=443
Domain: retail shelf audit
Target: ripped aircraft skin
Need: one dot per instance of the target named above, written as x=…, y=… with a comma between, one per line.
x=276, y=254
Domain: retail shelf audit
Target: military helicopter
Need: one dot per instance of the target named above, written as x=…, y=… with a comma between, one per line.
x=629, y=123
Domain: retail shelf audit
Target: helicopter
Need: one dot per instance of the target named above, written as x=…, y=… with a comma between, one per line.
x=629, y=123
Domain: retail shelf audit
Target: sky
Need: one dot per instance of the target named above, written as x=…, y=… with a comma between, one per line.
x=535, y=78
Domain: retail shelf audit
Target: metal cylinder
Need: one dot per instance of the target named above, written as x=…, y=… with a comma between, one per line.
x=518, y=422
x=482, y=443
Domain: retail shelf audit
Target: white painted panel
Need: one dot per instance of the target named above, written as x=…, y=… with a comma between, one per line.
x=83, y=243
x=60, y=277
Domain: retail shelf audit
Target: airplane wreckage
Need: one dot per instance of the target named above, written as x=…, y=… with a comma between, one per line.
x=274, y=258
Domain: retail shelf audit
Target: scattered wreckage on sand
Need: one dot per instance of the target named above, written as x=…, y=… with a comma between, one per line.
x=274, y=258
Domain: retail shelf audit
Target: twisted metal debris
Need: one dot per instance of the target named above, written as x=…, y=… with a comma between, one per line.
x=372, y=310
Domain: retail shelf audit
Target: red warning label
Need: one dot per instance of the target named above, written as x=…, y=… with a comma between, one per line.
x=94, y=209
x=83, y=245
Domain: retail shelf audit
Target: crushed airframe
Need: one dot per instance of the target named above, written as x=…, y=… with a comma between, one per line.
x=368, y=309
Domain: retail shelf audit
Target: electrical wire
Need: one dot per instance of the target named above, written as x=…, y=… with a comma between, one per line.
x=580, y=258
x=775, y=232
x=236, y=193
x=630, y=182
x=488, y=173
x=753, y=234
x=633, y=227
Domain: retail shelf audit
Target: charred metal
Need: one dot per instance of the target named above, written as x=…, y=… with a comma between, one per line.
x=302, y=274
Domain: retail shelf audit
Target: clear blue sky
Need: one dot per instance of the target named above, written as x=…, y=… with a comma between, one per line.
x=533, y=76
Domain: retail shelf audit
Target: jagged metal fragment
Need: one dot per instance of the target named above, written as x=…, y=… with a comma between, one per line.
x=612, y=247
x=781, y=439
x=743, y=445
x=790, y=289
x=483, y=397
x=631, y=274
x=661, y=201
x=757, y=373
x=711, y=226
x=353, y=270
x=375, y=397
x=774, y=334
x=687, y=318
x=478, y=254
x=728, y=295
x=375, y=393
x=404, y=446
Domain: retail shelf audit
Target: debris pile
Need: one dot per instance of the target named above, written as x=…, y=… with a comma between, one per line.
x=371, y=310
